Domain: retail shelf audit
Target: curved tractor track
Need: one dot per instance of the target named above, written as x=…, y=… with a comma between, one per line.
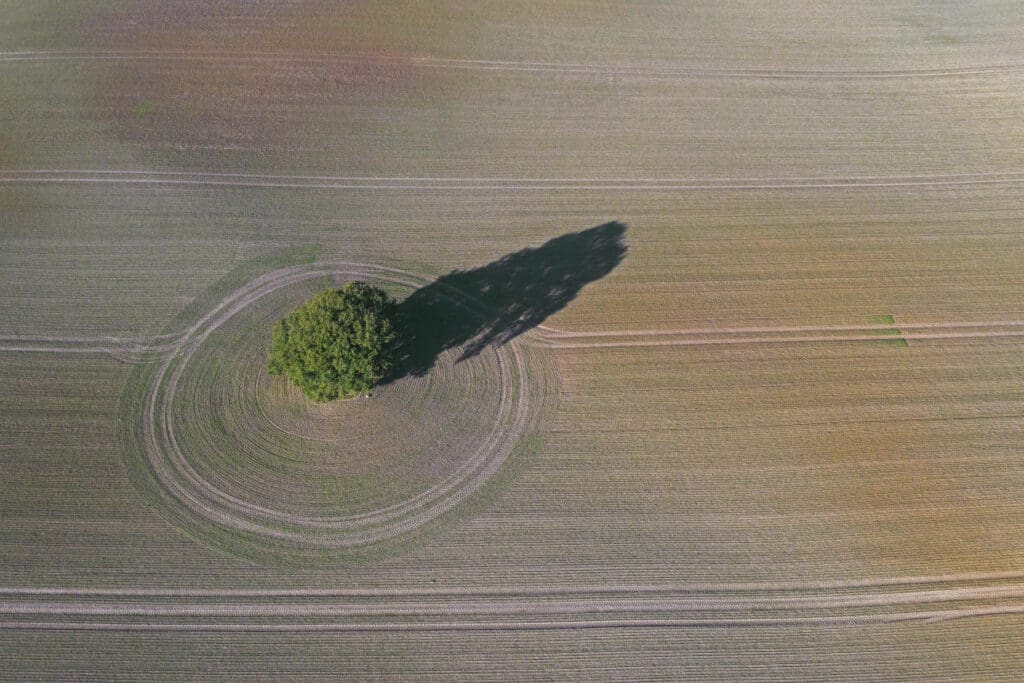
x=203, y=507
x=886, y=600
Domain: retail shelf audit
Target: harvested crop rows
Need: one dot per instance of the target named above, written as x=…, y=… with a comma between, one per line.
x=761, y=423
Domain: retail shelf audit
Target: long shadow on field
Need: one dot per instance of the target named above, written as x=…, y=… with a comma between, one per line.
x=497, y=302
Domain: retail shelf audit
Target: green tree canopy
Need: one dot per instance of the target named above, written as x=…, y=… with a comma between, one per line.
x=338, y=344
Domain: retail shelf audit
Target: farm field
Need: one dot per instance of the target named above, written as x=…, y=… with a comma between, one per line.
x=750, y=276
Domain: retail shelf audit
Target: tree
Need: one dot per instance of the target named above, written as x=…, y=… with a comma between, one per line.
x=338, y=344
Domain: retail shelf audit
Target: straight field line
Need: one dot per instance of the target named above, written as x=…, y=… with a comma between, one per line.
x=557, y=589
x=601, y=598
x=808, y=339
x=563, y=340
x=526, y=609
x=428, y=62
x=200, y=179
x=135, y=346
x=563, y=334
x=927, y=616
x=871, y=600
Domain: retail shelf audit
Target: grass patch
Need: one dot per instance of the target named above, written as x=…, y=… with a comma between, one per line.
x=144, y=108
x=894, y=337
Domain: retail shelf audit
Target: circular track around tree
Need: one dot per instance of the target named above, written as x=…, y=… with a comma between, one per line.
x=242, y=459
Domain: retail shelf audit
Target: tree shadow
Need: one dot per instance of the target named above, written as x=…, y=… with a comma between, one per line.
x=495, y=303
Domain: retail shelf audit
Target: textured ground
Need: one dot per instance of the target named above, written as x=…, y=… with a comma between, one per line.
x=778, y=438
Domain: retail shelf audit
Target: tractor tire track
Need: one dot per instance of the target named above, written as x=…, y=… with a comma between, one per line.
x=562, y=339
x=485, y=65
x=930, y=616
x=526, y=603
x=460, y=184
x=898, y=331
x=155, y=344
x=1010, y=577
x=563, y=334
x=181, y=481
x=184, y=485
x=721, y=341
x=607, y=607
